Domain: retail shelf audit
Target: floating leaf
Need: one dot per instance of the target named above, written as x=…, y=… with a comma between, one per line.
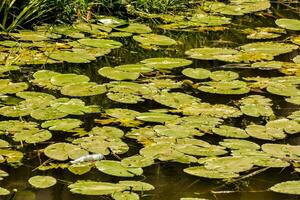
x=115, y=168
x=4, y=192
x=154, y=39
x=65, y=79
x=230, y=131
x=136, y=28
x=42, y=181
x=137, y=161
x=209, y=53
x=239, y=144
x=95, y=188
x=71, y=57
x=265, y=133
x=225, y=87
x=137, y=185
x=125, y=196
x=288, y=187
x=117, y=74
x=100, y=43
x=62, y=124
x=271, y=48
x=206, y=173
x=64, y=151
x=196, y=73
x=166, y=63
x=156, y=117
x=223, y=75
x=83, y=89
x=290, y=24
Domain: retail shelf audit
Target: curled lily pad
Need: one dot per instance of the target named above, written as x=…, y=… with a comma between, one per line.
x=206, y=173
x=294, y=100
x=42, y=181
x=64, y=79
x=95, y=188
x=290, y=24
x=83, y=89
x=197, y=73
x=288, y=187
x=230, y=131
x=115, y=168
x=64, y=151
x=117, y=74
x=154, y=39
x=62, y=124
x=100, y=43
x=166, y=63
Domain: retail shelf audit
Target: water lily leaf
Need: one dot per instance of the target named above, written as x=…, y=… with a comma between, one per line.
x=296, y=59
x=124, y=98
x=206, y=173
x=48, y=113
x=95, y=188
x=225, y=87
x=34, y=35
x=42, y=181
x=94, y=29
x=4, y=192
x=209, y=53
x=100, y=43
x=267, y=161
x=28, y=95
x=117, y=74
x=223, y=75
x=154, y=39
x=120, y=34
x=290, y=24
x=225, y=164
x=175, y=99
x=138, y=68
x=230, y=131
x=83, y=89
x=4, y=144
x=295, y=116
x=265, y=133
x=11, y=156
x=156, y=117
x=239, y=144
x=107, y=131
x=176, y=131
x=72, y=107
x=271, y=48
x=137, y=161
x=65, y=79
x=115, y=168
x=196, y=73
x=293, y=99
x=62, y=124
x=282, y=150
x=80, y=169
x=64, y=151
x=208, y=20
x=136, y=28
x=166, y=63
x=125, y=196
x=288, y=126
x=137, y=185
x=264, y=33
x=212, y=150
x=256, y=106
x=67, y=30
x=288, y=187
x=283, y=89
x=71, y=57
x=7, y=87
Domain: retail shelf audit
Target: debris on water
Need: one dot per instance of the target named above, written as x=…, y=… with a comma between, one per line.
x=88, y=158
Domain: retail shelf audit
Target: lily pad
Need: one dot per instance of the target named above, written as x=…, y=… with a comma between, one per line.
x=206, y=173
x=225, y=87
x=65, y=79
x=166, y=63
x=136, y=28
x=137, y=185
x=288, y=187
x=223, y=75
x=71, y=57
x=290, y=24
x=42, y=181
x=156, y=117
x=209, y=53
x=117, y=74
x=62, y=124
x=83, y=89
x=100, y=43
x=271, y=48
x=115, y=168
x=4, y=192
x=230, y=131
x=154, y=39
x=95, y=188
x=137, y=161
x=125, y=196
x=265, y=133
x=196, y=73
x=239, y=144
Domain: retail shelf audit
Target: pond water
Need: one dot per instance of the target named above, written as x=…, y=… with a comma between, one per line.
x=166, y=173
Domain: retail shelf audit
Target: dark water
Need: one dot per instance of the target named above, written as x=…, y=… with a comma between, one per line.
x=170, y=181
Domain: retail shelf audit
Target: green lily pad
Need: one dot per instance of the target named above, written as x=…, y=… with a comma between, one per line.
x=71, y=57
x=209, y=53
x=48, y=113
x=283, y=89
x=166, y=63
x=176, y=131
x=196, y=73
x=95, y=188
x=4, y=144
x=224, y=75
x=294, y=100
x=282, y=150
x=137, y=185
x=194, y=150
x=11, y=156
x=290, y=24
x=156, y=117
x=288, y=126
x=230, y=131
x=117, y=74
x=83, y=89
x=138, y=68
x=271, y=48
x=64, y=151
x=256, y=106
x=42, y=181
x=239, y=144
x=7, y=87
x=62, y=124
x=125, y=196
x=154, y=39
x=265, y=133
x=115, y=168
x=100, y=43
x=225, y=87
x=80, y=169
x=288, y=187
x=137, y=161
x=4, y=192
x=206, y=173
x=65, y=79
x=136, y=28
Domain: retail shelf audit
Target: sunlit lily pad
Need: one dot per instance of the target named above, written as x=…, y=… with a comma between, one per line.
x=230, y=131
x=83, y=89
x=95, y=188
x=42, y=181
x=288, y=126
x=154, y=39
x=166, y=63
x=137, y=185
x=196, y=73
x=265, y=133
x=115, y=168
x=225, y=87
x=117, y=74
x=282, y=150
x=64, y=151
x=125, y=196
x=206, y=173
x=223, y=75
x=175, y=99
x=290, y=24
x=4, y=192
x=136, y=28
x=283, y=89
x=209, y=53
x=137, y=161
x=80, y=168
x=139, y=68
x=71, y=57
x=256, y=106
x=156, y=117
x=239, y=144
x=272, y=48
x=294, y=100
x=288, y=187
x=64, y=79
x=100, y=43
x=62, y=124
